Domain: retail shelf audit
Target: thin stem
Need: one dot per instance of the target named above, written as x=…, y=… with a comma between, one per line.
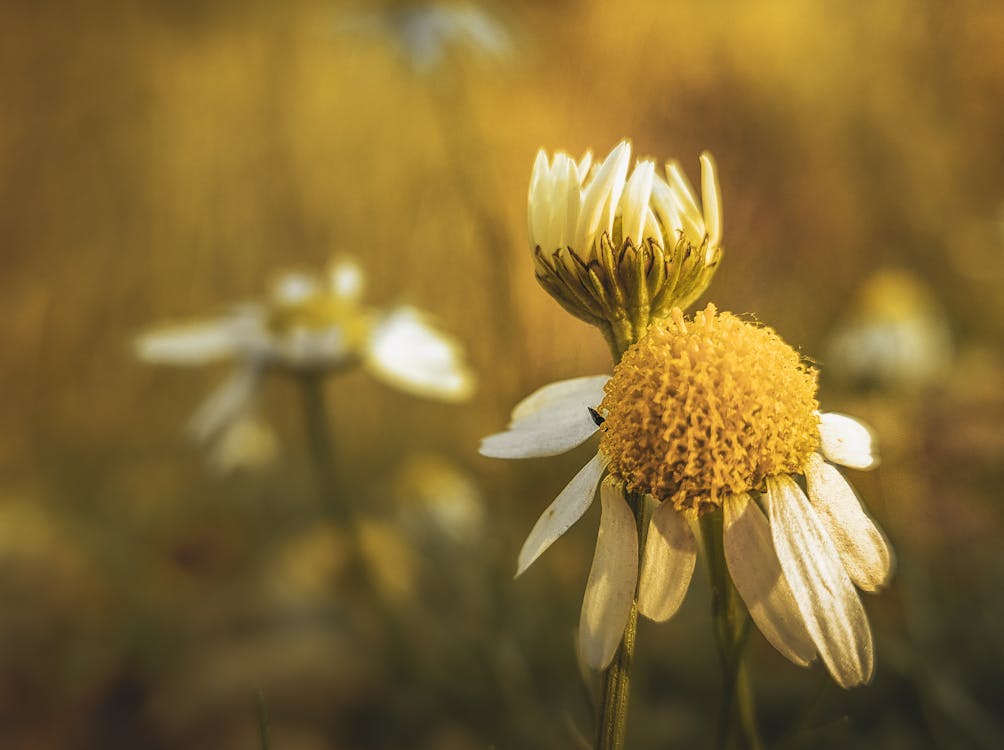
x=321, y=444
x=737, y=722
x=263, y=731
x=334, y=503
x=611, y=725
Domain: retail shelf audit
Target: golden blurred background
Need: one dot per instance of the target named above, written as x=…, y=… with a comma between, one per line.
x=161, y=160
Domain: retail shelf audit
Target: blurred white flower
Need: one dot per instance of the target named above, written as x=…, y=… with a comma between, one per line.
x=423, y=33
x=894, y=336
x=437, y=500
x=306, y=326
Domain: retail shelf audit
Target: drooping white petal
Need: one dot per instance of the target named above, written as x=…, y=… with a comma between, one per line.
x=846, y=441
x=668, y=566
x=756, y=573
x=635, y=201
x=711, y=197
x=191, y=344
x=227, y=403
x=600, y=196
x=862, y=546
x=551, y=420
x=566, y=509
x=612, y=577
x=825, y=596
x=406, y=351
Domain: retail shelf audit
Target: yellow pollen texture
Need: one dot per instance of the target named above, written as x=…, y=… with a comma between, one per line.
x=702, y=408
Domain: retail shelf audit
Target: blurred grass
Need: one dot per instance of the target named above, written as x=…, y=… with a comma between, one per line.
x=160, y=160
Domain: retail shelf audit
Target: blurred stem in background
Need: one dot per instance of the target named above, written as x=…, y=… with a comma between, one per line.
x=737, y=719
x=322, y=446
x=466, y=147
x=263, y=731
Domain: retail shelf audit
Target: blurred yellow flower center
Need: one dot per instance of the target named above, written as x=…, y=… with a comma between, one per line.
x=318, y=312
x=698, y=409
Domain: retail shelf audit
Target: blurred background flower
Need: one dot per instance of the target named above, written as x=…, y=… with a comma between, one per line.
x=308, y=328
x=158, y=158
x=422, y=33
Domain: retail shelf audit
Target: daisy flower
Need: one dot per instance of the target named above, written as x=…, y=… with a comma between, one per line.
x=306, y=326
x=894, y=336
x=620, y=248
x=712, y=414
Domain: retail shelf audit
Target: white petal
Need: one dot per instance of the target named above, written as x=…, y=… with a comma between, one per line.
x=862, y=547
x=537, y=200
x=551, y=420
x=227, y=403
x=635, y=201
x=846, y=441
x=566, y=509
x=689, y=212
x=191, y=344
x=294, y=287
x=711, y=192
x=667, y=209
x=612, y=578
x=651, y=229
x=670, y=555
x=346, y=279
x=584, y=165
x=756, y=573
x=539, y=440
x=574, y=392
x=406, y=351
x=563, y=203
x=825, y=596
x=600, y=197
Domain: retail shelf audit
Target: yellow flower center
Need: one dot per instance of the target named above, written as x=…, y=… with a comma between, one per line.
x=698, y=409
x=317, y=313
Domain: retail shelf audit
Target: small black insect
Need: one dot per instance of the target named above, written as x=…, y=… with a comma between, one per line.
x=596, y=416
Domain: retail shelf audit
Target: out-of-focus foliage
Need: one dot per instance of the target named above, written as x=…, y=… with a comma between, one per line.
x=160, y=159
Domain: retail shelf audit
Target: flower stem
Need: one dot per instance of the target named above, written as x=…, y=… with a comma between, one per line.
x=611, y=725
x=263, y=731
x=321, y=443
x=737, y=721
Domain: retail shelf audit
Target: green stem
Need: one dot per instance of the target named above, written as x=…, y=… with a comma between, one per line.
x=611, y=725
x=737, y=722
x=263, y=732
x=619, y=335
x=321, y=444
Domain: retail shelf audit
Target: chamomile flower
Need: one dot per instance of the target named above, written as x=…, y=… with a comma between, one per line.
x=893, y=337
x=703, y=415
x=619, y=248
x=306, y=326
